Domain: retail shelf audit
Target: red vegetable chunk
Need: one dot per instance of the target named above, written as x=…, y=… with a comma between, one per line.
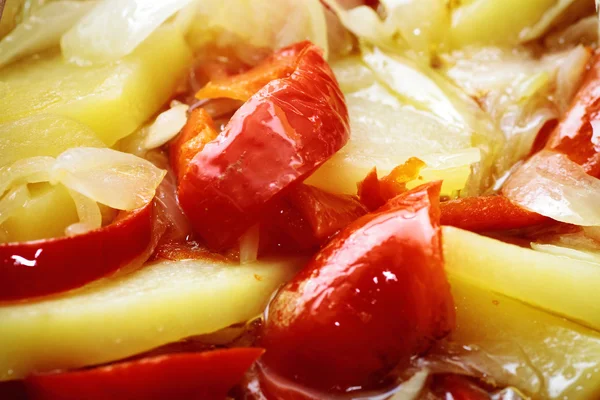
x=277, y=138
x=191, y=376
x=376, y=295
x=42, y=267
x=487, y=213
x=574, y=135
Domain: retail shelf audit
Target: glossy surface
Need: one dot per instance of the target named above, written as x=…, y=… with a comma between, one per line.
x=575, y=135
x=308, y=217
x=561, y=285
x=37, y=268
x=124, y=315
x=487, y=213
x=198, y=130
x=543, y=355
x=372, y=298
x=189, y=376
x=278, y=137
x=112, y=99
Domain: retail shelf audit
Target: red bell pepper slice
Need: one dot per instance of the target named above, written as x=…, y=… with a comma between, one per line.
x=309, y=217
x=43, y=267
x=487, y=213
x=574, y=135
x=202, y=376
x=375, y=296
x=277, y=138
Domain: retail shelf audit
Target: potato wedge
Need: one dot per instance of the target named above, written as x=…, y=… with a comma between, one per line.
x=513, y=344
x=112, y=99
x=122, y=316
x=560, y=285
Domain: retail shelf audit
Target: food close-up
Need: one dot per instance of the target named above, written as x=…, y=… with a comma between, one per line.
x=299, y=200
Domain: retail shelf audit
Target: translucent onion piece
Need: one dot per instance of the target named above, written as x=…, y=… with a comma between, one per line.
x=410, y=389
x=118, y=180
x=249, y=245
x=245, y=25
x=88, y=212
x=552, y=16
x=13, y=200
x=366, y=24
x=584, y=31
x=552, y=185
x=567, y=252
x=166, y=126
x=42, y=30
x=114, y=29
x=28, y=170
x=519, y=90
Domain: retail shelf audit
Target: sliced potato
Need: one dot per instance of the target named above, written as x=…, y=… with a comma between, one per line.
x=42, y=135
x=560, y=285
x=509, y=22
x=46, y=215
x=122, y=316
x=513, y=344
x=112, y=99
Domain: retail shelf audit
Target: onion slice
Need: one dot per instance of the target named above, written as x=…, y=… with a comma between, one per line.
x=42, y=267
x=118, y=180
x=554, y=186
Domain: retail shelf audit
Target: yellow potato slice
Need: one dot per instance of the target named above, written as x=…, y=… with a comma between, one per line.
x=122, y=316
x=508, y=22
x=42, y=135
x=112, y=99
x=560, y=285
x=514, y=344
x=46, y=215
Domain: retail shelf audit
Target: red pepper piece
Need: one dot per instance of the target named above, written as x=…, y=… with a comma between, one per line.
x=277, y=138
x=202, y=376
x=375, y=296
x=574, y=135
x=487, y=213
x=42, y=267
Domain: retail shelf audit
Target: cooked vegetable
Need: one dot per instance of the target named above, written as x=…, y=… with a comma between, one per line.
x=492, y=22
x=113, y=100
x=41, y=136
x=575, y=136
x=124, y=315
x=241, y=24
x=552, y=185
x=559, y=285
x=42, y=30
x=487, y=213
x=375, y=296
x=37, y=268
x=115, y=28
x=387, y=130
x=278, y=137
x=545, y=356
x=522, y=94
x=207, y=375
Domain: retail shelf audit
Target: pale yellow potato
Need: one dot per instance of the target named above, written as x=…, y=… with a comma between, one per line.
x=113, y=99
x=560, y=285
x=514, y=344
x=42, y=135
x=119, y=317
x=508, y=22
x=46, y=215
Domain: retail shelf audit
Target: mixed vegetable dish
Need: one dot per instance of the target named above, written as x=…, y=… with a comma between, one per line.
x=299, y=199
